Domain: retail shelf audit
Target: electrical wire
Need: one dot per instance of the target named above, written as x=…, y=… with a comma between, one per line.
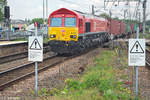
x=71, y=2
x=81, y=4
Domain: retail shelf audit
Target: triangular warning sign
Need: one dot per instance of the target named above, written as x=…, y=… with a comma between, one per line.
x=137, y=48
x=35, y=45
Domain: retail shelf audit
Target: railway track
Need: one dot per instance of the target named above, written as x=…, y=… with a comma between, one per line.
x=15, y=74
x=148, y=57
x=10, y=76
x=16, y=56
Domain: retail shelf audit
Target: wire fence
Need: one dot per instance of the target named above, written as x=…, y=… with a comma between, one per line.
x=9, y=35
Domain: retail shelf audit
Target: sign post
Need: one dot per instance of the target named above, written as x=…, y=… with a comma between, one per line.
x=36, y=78
x=136, y=55
x=35, y=53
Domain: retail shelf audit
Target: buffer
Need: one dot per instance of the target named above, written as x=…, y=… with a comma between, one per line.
x=35, y=45
x=137, y=48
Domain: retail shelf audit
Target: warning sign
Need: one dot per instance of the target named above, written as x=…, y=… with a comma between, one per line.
x=35, y=48
x=136, y=52
x=137, y=48
x=35, y=45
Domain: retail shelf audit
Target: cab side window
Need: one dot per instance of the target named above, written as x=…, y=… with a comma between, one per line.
x=80, y=22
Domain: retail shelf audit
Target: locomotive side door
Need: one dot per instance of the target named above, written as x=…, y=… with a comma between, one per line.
x=81, y=30
x=87, y=27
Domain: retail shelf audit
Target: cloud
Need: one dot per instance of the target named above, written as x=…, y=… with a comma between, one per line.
x=61, y=6
x=74, y=6
x=21, y=9
x=95, y=1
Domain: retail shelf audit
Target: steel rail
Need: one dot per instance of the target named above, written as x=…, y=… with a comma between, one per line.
x=3, y=85
x=147, y=60
x=16, y=56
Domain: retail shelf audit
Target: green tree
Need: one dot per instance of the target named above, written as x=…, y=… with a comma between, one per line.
x=3, y=3
x=116, y=18
x=39, y=20
x=1, y=15
x=104, y=15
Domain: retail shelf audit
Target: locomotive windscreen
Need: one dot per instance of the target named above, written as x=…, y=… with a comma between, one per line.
x=70, y=22
x=56, y=22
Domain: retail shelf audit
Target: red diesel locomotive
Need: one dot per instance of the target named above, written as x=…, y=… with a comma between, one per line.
x=73, y=31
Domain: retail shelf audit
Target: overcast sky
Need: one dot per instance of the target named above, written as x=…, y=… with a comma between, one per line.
x=21, y=9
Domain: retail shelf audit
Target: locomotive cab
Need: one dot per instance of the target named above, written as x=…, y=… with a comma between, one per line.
x=74, y=31
x=63, y=26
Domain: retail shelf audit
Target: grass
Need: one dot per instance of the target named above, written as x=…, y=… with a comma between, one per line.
x=146, y=36
x=20, y=39
x=45, y=40
x=100, y=82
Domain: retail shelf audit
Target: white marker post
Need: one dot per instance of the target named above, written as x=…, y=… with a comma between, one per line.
x=136, y=55
x=35, y=53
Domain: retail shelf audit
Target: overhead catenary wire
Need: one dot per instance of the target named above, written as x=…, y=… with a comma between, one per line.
x=128, y=3
x=75, y=3
x=71, y=2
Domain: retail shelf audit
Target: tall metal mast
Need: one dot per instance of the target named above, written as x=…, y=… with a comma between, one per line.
x=46, y=8
x=43, y=11
x=144, y=15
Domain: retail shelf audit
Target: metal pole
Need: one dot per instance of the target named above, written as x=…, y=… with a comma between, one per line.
x=36, y=33
x=46, y=8
x=124, y=14
x=7, y=25
x=137, y=33
x=136, y=83
x=104, y=4
x=139, y=19
x=8, y=29
x=144, y=15
x=47, y=17
x=43, y=12
x=93, y=13
x=110, y=14
x=36, y=70
x=137, y=36
x=36, y=78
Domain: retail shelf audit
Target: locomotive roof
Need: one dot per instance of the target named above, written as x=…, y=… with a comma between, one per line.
x=66, y=11
x=79, y=14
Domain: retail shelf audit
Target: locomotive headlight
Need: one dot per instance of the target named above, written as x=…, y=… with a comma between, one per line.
x=52, y=36
x=73, y=36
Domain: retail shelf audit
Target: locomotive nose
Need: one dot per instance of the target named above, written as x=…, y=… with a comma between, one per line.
x=63, y=32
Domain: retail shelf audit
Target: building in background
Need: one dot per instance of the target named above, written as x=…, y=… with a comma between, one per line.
x=19, y=25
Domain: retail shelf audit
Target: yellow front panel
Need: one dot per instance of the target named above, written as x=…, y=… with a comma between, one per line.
x=63, y=33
